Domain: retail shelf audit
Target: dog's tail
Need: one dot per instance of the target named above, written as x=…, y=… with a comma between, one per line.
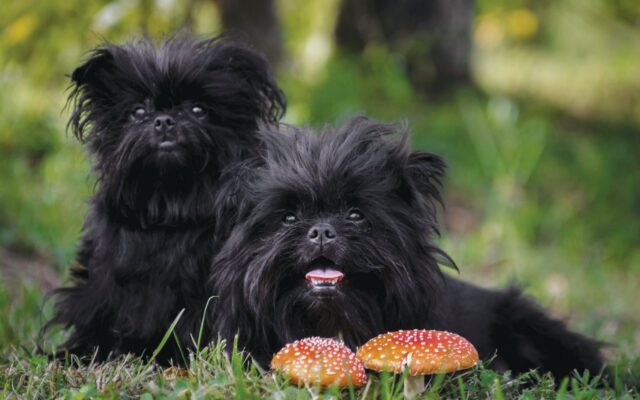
x=528, y=339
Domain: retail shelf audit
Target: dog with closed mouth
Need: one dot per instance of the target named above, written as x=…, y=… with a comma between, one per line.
x=166, y=125
x=340, y=243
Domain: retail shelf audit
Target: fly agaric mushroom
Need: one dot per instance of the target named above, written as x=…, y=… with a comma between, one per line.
x=423, y=352
x=320, y=362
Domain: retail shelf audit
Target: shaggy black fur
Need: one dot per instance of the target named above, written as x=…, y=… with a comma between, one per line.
x=166, y=125
x=375, y=200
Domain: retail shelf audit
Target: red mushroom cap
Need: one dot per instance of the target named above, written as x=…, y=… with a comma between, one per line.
x=423, y=351
x=319, y=361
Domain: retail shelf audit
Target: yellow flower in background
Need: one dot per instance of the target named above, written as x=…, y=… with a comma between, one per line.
x=522, y=23
x=20, y=29
x=489, y=31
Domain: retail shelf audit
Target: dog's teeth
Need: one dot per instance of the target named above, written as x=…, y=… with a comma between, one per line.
x=324, y=282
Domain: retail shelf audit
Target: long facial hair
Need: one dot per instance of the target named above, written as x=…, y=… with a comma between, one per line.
x=391, y=276
x=232, y=86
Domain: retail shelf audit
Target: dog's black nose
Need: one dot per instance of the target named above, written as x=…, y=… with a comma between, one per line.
x=164, y=123
x=321, y=233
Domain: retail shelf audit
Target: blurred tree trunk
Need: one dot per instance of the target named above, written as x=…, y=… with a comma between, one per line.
x=188, y=19
x=254, y=21
x=145, y=7
x=433, y=36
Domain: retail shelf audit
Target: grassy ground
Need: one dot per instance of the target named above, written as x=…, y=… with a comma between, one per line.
x=213, y=374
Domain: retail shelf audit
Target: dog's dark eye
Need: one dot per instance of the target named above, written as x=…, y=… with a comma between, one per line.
x=355, y=215
x=139, y=113
x=289, y=218
x=197, y=111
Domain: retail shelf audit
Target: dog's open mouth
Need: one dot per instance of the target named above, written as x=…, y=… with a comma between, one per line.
x=324, y=274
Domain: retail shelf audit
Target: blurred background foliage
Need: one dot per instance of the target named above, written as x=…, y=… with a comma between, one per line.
x=535, y=105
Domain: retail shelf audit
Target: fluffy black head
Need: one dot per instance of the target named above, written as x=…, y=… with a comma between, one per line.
x=339, y=242
x=162, y=121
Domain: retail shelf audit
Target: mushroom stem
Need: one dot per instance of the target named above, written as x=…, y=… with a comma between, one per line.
x=413, y=386
x=314, y=391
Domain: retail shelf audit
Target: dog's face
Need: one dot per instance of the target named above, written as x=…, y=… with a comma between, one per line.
x=158, y=118
x=339, y=242
x=157, y=131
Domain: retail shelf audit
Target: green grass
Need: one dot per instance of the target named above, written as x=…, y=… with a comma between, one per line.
x=212, y=373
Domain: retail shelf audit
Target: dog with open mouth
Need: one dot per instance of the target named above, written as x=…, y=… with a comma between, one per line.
x=340, y=243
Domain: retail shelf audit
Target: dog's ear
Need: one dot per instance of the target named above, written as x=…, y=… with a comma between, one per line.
x=420, y=187
x=253, y=78
x=89, y=82
x=423, y=173
x=92, y=72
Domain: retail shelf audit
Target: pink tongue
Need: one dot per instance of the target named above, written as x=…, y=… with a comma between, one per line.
x=327, y=274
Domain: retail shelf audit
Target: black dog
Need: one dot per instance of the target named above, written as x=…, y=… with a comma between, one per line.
x=166, y=126
x=340, y=243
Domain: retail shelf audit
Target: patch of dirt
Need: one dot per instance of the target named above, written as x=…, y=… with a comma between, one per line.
x=18, y=270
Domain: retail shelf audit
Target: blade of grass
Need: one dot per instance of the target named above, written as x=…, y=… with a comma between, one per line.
x=436, y=384
x=497, y=390
x=165, y=338
x=463, y=392
x=385, y=391
x=201, y=330
x=365, y=391
x=184, y=359
x=562, y=390
x=236, y=367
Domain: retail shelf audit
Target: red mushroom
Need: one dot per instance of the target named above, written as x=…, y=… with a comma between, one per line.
x=319, y=362
x=423, y=352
